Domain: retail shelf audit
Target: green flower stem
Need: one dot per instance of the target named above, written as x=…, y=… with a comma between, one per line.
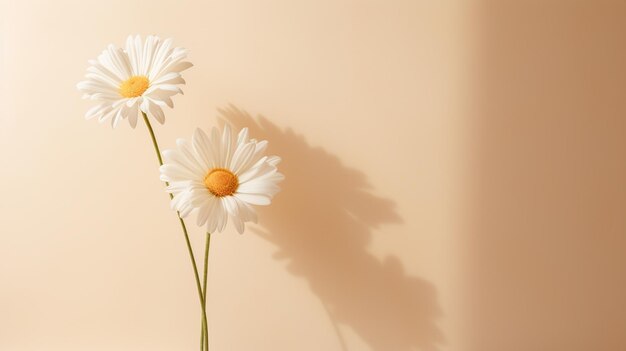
x=205, y=329
x=184, y=227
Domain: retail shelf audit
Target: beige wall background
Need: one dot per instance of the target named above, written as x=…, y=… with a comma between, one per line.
x=546, y=245
x=455, y=178
x=360, y=98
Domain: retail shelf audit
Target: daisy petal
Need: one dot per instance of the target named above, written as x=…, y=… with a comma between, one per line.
x=205, y=177
x=145, y=74
x=253, y=199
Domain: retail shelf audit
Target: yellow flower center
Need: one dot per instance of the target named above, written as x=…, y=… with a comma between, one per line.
x=221, y=182
x=134, y=86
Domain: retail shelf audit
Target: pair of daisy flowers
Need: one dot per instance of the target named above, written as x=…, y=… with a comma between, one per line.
x=218, y=175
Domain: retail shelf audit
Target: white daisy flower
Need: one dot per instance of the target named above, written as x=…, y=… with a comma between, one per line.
x=142, y=76
x=220, y=177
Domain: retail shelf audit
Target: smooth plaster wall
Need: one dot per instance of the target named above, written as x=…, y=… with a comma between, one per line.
x=455, y=178
x=545, y=249
x=360, y=98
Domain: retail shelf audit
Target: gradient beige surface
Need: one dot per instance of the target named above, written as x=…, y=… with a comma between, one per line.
x=455, y=178
x=547, y=243
x=354, y=254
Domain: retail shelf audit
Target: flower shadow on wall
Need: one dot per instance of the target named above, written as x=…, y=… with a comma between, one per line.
x=321, y=223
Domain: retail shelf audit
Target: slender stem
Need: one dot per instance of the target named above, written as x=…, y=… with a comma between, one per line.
x=205, y=328
x=184, y=227
x=154, y=141
x=202, y=338
x=206, y=263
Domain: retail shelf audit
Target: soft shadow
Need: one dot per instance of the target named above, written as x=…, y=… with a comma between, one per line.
x=321, y=223
x=547, y=263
